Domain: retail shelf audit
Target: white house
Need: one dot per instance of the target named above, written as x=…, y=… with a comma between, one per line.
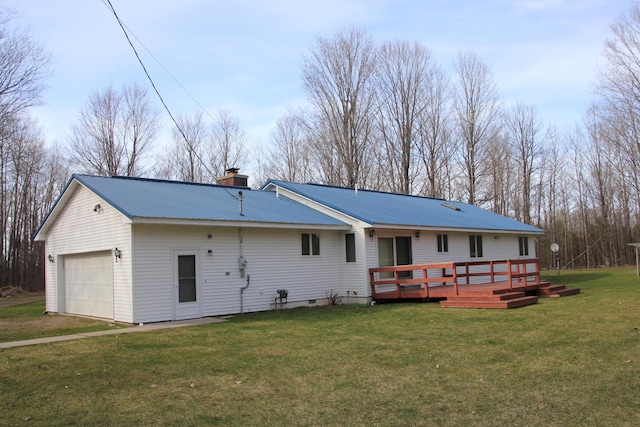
x=142, y=250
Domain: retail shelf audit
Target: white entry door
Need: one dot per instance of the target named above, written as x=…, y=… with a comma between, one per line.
x=186, y=286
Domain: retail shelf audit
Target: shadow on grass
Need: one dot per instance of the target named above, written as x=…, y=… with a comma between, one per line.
x=570, y=278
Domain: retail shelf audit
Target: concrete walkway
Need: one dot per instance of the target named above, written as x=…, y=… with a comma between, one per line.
x=143, y=328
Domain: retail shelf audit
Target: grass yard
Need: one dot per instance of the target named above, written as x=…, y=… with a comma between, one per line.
x=564, y=361
x=22, y=321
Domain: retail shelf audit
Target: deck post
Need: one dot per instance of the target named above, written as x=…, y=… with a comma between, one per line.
x=466, y=270
x=454, y=271
x=373, y=287
x=493, y=278
x=425, y=275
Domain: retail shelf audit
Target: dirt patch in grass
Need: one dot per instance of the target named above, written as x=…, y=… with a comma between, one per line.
x=23, y=317
x=46, y=323
x=10, y=296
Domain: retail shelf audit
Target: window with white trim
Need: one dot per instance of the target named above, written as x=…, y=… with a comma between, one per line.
x=310, y=244
x=443, y=243
x=523, y=243
x=350, y=246
x=475, y=246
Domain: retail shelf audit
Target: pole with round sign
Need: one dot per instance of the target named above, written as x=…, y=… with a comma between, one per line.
x=555, y=248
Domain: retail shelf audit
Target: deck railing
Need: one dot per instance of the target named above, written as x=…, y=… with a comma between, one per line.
x=401, y=280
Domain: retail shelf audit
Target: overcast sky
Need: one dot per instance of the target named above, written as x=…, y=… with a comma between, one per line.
x=245, y=55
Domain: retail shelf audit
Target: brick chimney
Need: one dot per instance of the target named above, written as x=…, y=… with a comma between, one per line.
x=233, y=179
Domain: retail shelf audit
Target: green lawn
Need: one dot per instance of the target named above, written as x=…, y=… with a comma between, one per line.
x=27, y=321
x=564, y=361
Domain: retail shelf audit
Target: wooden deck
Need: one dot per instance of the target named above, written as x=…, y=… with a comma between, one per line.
x=482, y=284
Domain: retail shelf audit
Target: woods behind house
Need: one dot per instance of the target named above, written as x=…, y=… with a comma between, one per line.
x=378, y=115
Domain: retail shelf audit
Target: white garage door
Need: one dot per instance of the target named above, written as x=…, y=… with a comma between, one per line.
x=88, y=281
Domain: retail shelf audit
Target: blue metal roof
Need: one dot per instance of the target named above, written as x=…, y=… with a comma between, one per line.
x=160, y=199
x=379, y=208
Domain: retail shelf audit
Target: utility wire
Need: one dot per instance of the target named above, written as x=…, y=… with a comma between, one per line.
x=145, y=69
x=128, y=30
x=135, y=51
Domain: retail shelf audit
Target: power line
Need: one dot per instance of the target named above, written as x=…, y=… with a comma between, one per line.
x=145, y=69
x=135, y=51
x=128, y=30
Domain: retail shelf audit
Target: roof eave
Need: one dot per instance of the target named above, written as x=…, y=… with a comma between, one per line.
x=239, y=223
x=41, y=232
x=74, y=182
x=283, y=186
x=455, y=229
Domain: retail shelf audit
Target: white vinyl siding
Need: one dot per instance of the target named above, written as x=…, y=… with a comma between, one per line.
x=80, y=230
x=273, y=262
x=355, y=276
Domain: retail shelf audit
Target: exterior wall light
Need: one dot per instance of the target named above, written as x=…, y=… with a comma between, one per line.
x=117, y=254
x=372, y=233
x=97, y=208
x=50, y=258
x=418, y=234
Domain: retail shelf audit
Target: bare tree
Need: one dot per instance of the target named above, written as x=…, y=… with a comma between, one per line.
x=404, y=74
x=338, y=80
x=24, y=66
x=32, y=177
x=615, y=124
x=499, y=155
x=229, y=143
x=290, y=158
x=478, y=108
x=552, y=190
x=434, y=144
x=524, y=130
x=185, y=157
x=115, y=132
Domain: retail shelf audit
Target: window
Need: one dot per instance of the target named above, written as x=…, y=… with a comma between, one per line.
x=310, y=244
x=443, y=243
x=186, y=278
x=350, y=246
x=523, y=242
x=475, y=246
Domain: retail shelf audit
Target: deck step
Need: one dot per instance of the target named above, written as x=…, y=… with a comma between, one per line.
x=465, y=302
x=487, y=297
x=557, y=291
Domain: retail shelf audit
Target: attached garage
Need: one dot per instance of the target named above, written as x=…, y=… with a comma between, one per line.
x=88, y=284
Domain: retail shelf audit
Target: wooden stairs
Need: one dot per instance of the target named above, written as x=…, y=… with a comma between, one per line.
x=546, y=289
x=504, y=298
x=489, y=299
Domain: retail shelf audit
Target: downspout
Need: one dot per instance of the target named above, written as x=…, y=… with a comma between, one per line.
x=240, y=241
x=242, y=292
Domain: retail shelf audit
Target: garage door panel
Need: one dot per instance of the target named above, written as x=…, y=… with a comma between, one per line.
x=89, y=284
